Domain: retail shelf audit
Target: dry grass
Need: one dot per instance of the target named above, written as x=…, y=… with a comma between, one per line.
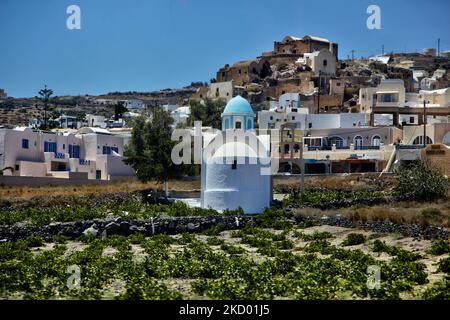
x=354, y=182
x=402, y=212
x=129, y=185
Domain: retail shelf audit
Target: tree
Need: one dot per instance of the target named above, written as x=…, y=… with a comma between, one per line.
x=422, y=181
x=150, y=148
x=44, y=96
x=209, y=113
x=119, y=110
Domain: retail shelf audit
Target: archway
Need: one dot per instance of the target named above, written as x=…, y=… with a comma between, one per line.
x=419, y=140
x=376, y=140
x=446, y=139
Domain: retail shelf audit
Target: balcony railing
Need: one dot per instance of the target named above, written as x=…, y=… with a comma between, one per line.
x=84, y=162
x=60, y=155
x=367, y=147
x=411, y=146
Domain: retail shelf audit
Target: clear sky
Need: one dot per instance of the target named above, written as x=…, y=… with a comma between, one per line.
x=145, y=45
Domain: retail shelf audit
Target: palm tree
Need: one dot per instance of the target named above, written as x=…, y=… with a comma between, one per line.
x=45, y=95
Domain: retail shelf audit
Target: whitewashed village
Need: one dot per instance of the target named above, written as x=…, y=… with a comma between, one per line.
x=298, y=163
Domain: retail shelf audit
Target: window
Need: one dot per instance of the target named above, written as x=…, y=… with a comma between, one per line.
x=358, y=142
x=338, y=84
x=98, y=174
x=411, y=119
x=115, y=149
x=25, y=144
x=106, y=150
x=293, y=118
x=271, y=117
x=419, y=140
x=240, y=71
x=309, y=125
x=227, y=124
x=74, y=151
x=17, y=167
x=338, y=141
x=389, y=97
x=50, y=146
x=325, y=63
x=234, y=165
x=249, y=124
x=376, y=141
x=238, y=125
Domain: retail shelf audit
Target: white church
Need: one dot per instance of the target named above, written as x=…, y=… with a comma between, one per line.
x=236, y=163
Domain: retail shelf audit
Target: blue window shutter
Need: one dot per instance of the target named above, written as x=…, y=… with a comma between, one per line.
x=70, y=151
x=45, y=146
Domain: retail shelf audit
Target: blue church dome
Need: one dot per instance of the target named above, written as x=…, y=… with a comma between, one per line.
x=238, y=105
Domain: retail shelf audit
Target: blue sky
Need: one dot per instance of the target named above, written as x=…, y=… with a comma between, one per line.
x=145, y=45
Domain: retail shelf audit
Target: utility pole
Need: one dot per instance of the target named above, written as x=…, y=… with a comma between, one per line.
x=424, y=122
x=439, y=47
x=302, y=164
x=353, y=55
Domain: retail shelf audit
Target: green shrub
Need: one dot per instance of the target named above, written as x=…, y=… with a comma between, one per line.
x=354, y=239
x=214, y=241
x=231, y=249
x=214, y=230
x=312, y=237
x=379, y=246
x=34, y=241
x=422, y=181
x=439, y=291
x=60, y=238
x=306, y=224
x=444, y=265
x=439, y=247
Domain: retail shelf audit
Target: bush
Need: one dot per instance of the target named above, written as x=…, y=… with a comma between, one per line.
x=230, y=249
x=439, y=247
x=354, y=239
x=214, y=241
x=34, y=241
x=444, y=265
x=422, y=181
x=439, y=291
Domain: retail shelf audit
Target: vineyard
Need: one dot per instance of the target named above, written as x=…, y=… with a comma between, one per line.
x=275, y=261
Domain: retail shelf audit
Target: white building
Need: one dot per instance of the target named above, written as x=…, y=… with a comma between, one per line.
x=321, y=62
x=389, y=93
x=221, y=90
x=66, y=122
x=288, y=110
x=180, y=115
x=90, y=153
x=236, y=166
x=134, y=104
x=96, y=121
